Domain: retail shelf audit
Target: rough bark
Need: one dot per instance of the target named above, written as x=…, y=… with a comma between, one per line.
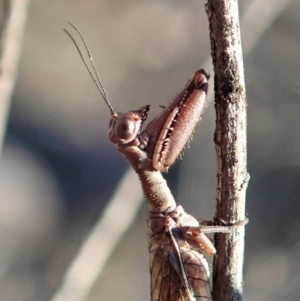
x=230, y=144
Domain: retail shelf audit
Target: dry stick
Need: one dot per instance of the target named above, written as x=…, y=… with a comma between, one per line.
x=102, y=240
x=72, y=277
x=230, y=144
x=11, y=36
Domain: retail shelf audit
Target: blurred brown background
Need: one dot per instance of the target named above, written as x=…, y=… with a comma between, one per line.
x=59, y=170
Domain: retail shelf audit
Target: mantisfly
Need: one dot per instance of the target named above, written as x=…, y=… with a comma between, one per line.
x=178, y=268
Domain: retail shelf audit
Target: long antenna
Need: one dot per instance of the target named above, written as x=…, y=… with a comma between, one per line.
x=96, y=79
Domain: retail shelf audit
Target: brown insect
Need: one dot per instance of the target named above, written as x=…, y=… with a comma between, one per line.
x=178, y=268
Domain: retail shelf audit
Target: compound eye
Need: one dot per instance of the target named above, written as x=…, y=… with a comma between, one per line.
x=126, y=129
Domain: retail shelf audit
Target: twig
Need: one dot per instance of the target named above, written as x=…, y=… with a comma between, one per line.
x=99, y=245
x=11, y=36
x=230, y=143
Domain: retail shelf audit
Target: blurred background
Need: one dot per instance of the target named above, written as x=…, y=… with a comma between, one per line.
x=59, y=170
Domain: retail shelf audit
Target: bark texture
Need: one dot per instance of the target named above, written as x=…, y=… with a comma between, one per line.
x=230, y=143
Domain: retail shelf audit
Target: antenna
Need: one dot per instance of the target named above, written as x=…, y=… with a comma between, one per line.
x=96, y=79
